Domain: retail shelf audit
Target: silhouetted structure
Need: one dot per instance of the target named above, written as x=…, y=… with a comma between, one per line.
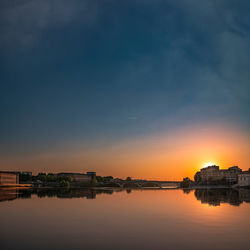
x=25, y=177
x=214, y=175
x=244, y=179
x=92, y=175
x=79, y=177
x=8, y=178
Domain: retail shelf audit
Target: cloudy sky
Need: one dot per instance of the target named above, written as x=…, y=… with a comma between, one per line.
x=141, y=88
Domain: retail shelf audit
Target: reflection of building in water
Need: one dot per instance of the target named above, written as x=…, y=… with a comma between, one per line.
x=8, y=195
x=11, y=194
x=77, y=193
x=64, y=193
x=8, y=178
x=215, y=197
x=245, y=195
x=214, y=175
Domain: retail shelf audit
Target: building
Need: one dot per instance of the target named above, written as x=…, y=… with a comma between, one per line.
x=92, y=175
x=79, y=177
x=8, y=178
x=215, y=175
x=244, y=179
x=231, y=174
x=26, y=173
x=25, y=177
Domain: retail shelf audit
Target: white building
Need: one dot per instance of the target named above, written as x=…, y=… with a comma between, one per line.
x=244, y=179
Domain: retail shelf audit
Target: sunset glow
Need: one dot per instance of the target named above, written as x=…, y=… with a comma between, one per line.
x=207, y=164
x=165, y=155
x=111, y=113
x=136, y=88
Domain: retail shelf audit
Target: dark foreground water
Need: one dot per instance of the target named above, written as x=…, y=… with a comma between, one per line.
x=125, y=219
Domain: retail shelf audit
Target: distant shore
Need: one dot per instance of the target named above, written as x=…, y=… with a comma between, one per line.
x=120, y=188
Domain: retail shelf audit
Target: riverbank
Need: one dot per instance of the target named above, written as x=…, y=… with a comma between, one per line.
x=16, y=186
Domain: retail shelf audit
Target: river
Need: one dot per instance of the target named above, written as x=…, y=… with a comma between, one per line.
x=125, y=219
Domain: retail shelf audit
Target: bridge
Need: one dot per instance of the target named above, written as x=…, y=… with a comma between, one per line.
x=150, y=184
x=166, y=184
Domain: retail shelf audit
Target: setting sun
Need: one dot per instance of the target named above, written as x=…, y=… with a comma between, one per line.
x=208, y=164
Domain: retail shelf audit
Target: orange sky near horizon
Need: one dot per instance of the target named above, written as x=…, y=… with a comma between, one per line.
x=164, y=156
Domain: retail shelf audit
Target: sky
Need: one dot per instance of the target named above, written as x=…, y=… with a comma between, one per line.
x=143, y=88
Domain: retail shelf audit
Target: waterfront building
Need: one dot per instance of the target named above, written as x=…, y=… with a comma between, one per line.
x=92, y=175
x=26, y=173
x=231, y=174
x=244, y=179
x=8, y=178
x=79, y=177
x=25, y=177
x=215, y=175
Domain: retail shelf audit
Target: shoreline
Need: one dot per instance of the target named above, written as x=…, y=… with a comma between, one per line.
x=122, y=188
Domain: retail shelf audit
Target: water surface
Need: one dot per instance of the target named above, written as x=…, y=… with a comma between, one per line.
x=125, y=219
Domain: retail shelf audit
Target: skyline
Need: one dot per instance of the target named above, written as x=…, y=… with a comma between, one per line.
x=137, y=88
x=148, y=153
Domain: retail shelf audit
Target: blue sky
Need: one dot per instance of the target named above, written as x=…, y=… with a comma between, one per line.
x=99, y=72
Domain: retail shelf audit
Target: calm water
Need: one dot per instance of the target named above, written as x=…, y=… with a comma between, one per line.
x=125, y=219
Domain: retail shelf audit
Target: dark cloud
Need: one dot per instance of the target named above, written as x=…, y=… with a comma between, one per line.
x=23, y=22
x=75, y=70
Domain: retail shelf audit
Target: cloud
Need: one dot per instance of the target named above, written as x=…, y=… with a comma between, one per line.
x=169, y=62
x=23, y=22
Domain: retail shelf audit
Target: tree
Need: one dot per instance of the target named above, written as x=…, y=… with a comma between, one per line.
x=64, y=183
x=186, y=183
x=41, y=177
x=99, y=178
x=128, y=179
x=51, y=177
x=93, y=182
x=108, y=178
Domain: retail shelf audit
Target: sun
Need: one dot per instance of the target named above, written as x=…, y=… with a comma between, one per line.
x=207, y=164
